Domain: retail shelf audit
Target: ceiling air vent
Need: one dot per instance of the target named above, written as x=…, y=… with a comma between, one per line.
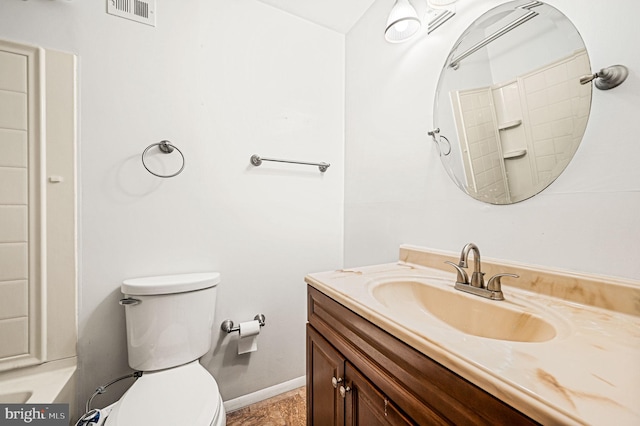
x=143, y=11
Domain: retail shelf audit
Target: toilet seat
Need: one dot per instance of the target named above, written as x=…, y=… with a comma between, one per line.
x=184, y=395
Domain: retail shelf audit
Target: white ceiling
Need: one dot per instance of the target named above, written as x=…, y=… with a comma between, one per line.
x=338, y=15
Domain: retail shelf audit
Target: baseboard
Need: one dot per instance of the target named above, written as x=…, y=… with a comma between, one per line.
x=262, y=394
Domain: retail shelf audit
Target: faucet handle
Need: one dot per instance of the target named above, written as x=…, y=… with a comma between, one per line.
x=463, y=278
x=495, y=284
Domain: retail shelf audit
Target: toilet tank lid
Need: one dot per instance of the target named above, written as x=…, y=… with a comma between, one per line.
x=168, y=284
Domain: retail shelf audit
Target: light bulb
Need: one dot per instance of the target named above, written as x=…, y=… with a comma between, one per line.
x=401, y=26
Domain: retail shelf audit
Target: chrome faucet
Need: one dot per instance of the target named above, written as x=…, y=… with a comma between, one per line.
x=493, y=289
x=477, y=278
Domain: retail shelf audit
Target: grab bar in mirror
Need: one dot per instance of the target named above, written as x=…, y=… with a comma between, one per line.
x=455, y=62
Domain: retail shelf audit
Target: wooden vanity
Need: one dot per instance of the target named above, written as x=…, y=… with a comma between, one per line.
x=368, y=365
x=379, y=380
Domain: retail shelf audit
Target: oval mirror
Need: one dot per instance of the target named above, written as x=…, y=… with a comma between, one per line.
x=509, y=110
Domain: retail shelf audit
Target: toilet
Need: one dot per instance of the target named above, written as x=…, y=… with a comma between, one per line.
x=169, y=323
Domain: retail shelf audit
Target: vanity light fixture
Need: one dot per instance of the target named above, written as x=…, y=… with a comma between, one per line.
x=403, y=22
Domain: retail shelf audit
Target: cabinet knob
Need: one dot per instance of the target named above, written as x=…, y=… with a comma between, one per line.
x=343, y=391
x=335, y=382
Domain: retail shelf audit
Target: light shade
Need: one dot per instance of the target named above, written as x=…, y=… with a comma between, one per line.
x=402, y=23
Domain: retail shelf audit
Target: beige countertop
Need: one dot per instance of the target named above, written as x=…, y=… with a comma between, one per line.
x=589, y=373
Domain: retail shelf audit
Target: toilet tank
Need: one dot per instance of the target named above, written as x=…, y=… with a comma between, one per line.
x=169, y=318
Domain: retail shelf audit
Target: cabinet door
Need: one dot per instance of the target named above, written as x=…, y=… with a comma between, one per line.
x=325, y=374
x=365, y=405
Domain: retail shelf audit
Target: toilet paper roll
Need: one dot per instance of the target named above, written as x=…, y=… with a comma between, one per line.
x=249, y=332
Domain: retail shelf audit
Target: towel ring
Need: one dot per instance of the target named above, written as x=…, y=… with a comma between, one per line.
x=437, y=141
x=167, y=148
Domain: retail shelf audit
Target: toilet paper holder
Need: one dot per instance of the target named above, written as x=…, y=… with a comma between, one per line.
x=227, y=325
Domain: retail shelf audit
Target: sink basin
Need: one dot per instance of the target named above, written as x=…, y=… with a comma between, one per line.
x=501, y=320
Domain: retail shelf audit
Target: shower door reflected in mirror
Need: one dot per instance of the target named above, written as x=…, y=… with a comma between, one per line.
x=510, y=104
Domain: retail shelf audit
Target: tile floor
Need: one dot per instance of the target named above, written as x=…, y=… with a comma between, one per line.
x=287, y=409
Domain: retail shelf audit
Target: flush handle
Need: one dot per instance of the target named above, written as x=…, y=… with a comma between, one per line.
x=129, y=301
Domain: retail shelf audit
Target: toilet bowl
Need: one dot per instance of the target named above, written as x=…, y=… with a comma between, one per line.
x=169, y=320
x=185, y=395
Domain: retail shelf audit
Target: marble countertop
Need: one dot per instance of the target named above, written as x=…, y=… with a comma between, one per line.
x=589, y=373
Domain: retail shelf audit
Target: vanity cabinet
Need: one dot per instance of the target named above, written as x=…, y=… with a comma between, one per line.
x=365, y=405
x=341, y=395
x=325, y=372
x=358, y=374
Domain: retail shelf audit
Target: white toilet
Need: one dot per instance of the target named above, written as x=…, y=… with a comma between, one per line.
x=169, y=322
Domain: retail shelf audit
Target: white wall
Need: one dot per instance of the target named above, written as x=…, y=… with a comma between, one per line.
x=396, y=190
x=221, y=94
x=222, y=80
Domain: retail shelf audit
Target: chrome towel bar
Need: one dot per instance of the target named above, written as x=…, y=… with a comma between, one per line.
x=256, y=160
